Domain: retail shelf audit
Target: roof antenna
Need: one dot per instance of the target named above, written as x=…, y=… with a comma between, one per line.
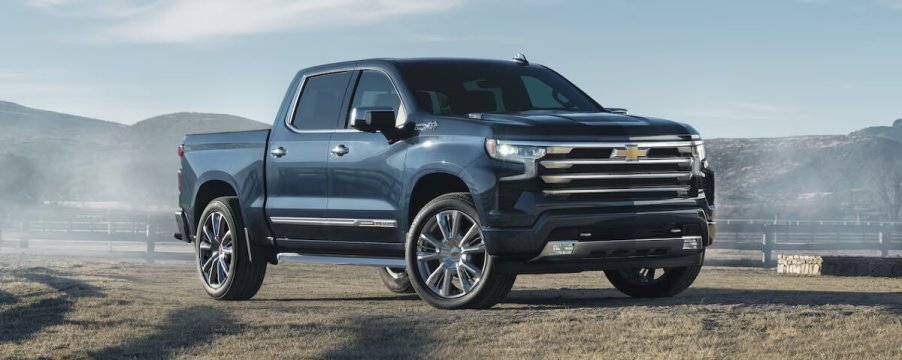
x=521, y=59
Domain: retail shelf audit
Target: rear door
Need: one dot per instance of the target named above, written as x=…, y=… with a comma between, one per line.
x=365, y=181
x=298, y=154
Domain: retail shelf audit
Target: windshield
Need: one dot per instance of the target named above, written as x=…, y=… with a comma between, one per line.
x=465, y=88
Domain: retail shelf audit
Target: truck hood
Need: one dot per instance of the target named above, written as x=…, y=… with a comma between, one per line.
x=584, y=125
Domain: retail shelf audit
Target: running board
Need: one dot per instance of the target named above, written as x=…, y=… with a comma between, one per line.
x=340, y=260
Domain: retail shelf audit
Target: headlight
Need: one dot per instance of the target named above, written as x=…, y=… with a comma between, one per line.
x=516, y=153
x=699, y=152
x=700, y=159
x=524, y=154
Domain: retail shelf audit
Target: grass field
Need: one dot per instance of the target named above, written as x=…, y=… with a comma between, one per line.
x=67, y=309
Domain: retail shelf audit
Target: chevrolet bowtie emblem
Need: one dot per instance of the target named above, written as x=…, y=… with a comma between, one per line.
x=630, y=153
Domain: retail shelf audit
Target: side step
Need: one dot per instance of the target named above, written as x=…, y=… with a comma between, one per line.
x=340, y=260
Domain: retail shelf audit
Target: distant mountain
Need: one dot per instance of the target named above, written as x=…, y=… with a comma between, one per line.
x=68, y=157
x=887, y=132
x=21, y=117
x=805, y=177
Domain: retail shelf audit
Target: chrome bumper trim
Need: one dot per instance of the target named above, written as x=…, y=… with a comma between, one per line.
x=583, y=249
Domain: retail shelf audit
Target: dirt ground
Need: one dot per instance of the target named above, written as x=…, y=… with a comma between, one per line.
x=76, y=309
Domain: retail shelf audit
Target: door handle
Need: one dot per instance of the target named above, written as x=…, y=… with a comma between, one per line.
x=278, y=152
x=339, y=150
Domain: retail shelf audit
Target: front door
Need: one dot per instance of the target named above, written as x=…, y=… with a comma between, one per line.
x=365, y=176
x=298, y=155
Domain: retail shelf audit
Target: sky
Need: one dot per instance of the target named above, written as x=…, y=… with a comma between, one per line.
x=731, y=68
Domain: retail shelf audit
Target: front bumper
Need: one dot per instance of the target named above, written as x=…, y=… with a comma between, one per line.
x=569, y=242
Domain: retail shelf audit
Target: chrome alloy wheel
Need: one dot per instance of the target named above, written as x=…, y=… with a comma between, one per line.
x=215, y=253
x=451, y=254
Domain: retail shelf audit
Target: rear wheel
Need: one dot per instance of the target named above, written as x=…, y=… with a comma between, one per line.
x=651, y=283
x=447, y=262
x=222, y=261
x=396, y=280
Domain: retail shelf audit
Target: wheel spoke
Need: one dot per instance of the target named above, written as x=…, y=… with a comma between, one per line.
x=650, y=275
x=432, y=280
x=226, y=238
x=470, y=235
x=465, y=283
x=442, y=222
x=207, y=268
x=226, y=250
x=446, y=283
x=217, y=220
x=455, y=225
x=428, y=256
x=477, y=249
x=205, y=246
x=223, y=267
x=471, y=269
x=209, y=234
x=435, y=243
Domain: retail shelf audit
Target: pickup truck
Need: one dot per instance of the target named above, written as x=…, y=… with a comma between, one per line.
x=451, y=177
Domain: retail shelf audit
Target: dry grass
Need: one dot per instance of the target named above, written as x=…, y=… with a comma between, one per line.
x=64, y=309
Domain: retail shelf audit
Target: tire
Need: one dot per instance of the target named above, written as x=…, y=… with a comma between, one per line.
x=450, y=252
x=673, y=281
x=396, y=280
x=225, y=275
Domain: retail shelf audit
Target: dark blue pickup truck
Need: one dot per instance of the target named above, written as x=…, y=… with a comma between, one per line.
x=451, y=176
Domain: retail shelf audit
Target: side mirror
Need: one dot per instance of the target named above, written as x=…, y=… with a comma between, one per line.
x=373, y=119
x=616, y=110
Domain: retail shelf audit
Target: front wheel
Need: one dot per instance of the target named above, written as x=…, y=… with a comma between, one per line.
x=447, y=262
x=222, y=261
x=653, y=283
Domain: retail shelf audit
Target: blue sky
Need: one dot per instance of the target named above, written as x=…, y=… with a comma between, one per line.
x=731, y=68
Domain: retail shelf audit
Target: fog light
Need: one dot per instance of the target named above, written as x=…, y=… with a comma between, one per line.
x=691, y=243
x=562, y=248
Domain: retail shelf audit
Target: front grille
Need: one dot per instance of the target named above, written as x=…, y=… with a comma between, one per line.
x=618, y=171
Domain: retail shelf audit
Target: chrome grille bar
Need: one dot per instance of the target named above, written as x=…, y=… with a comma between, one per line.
x=564, y=164
x=565, y=178
x=682, y=190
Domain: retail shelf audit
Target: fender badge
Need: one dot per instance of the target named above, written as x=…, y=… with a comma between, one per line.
x=432, y=125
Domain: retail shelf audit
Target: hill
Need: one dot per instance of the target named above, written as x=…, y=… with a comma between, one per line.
x=46, y=155
x=804, y=177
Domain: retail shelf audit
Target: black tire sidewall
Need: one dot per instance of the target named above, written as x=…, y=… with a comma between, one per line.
x=444, y=202
x=234, y=223
x=674, y=282
x=400, y=285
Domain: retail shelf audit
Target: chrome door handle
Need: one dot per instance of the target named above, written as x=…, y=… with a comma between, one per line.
x=278, y=152
x=339, y=150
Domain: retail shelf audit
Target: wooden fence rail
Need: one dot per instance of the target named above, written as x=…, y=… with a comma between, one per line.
x=766, y=237
x=769, y=238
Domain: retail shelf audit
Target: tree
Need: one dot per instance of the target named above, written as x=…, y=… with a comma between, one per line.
x=889, y=189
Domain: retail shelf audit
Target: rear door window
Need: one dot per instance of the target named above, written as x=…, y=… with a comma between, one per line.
x=319, y=106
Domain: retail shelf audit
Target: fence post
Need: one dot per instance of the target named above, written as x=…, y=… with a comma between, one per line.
x=767, y=240
x=109, y=230
x=885, y=236
x=151, y=246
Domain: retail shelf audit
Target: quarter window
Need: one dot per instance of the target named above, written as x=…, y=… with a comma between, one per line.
x=320, y=104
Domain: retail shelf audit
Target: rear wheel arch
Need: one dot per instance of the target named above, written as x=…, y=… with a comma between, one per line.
x=206, y=193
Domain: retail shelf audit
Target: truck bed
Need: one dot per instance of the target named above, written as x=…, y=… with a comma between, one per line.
x=233, y=157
